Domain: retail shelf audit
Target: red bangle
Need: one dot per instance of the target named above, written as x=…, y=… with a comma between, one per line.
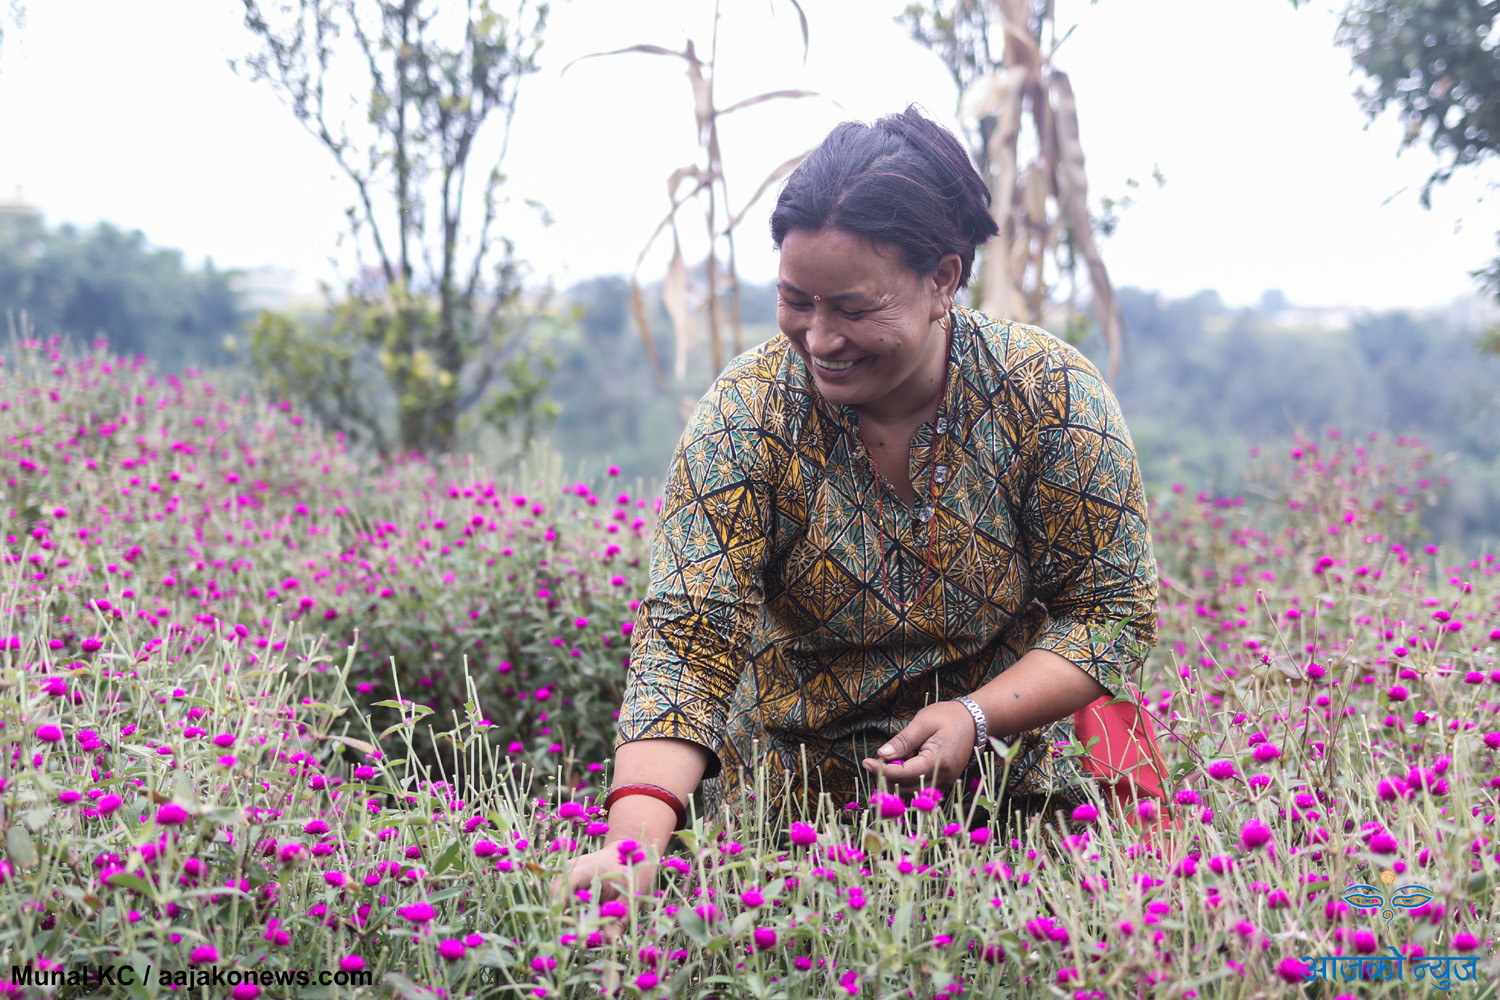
x=656, y=792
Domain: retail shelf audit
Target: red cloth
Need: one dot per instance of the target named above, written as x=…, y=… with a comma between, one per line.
x=1126, y=758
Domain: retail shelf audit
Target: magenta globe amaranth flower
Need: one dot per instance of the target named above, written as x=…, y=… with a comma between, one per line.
x=49, y=733
x=451, y=949
x=765, y=938
x=1266, y=752
x=1291, y=970
x=1221, y=770
x=205, y=954
x=351, y=963
x=417, y=913
x=889, y=806
x=171, y=814
x=803, y=835
x=1085, y=813
x=1254, y=834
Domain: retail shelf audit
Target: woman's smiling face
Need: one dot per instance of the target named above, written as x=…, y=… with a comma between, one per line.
x=864, y=323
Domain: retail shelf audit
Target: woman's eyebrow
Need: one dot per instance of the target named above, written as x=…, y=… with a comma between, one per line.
x=786, y=286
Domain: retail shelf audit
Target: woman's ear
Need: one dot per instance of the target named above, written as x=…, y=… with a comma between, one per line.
x=945, y=282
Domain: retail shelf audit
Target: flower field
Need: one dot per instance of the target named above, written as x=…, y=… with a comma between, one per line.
x=278, y=723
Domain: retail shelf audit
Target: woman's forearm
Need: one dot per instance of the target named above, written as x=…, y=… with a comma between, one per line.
x=1037, y=690
x=676, y=765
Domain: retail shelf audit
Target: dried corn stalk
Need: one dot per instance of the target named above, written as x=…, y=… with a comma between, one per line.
x=1041, y=204
x=718, y=303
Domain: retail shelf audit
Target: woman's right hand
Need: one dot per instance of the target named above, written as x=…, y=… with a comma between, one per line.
x=618, y=879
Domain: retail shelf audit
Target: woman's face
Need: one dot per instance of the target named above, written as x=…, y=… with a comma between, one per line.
x=865, y=324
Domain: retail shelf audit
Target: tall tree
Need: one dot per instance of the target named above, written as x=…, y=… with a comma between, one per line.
x=1000, y=54
x=414, y=101
x=1438, y=63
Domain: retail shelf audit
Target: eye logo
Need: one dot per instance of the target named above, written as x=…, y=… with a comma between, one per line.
x=1386, y=898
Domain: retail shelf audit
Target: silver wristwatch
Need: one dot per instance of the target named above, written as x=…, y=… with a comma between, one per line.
x=981, y=728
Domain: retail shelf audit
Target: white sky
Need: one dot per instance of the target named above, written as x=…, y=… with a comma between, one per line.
x=126, y=110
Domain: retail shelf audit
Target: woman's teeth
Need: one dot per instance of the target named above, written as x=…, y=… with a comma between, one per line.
x=836, y=366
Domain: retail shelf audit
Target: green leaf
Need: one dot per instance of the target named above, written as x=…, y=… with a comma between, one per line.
x=126, y=880
x=693, y=926
x=447, y=858
x=901, y=923
x=20, y=846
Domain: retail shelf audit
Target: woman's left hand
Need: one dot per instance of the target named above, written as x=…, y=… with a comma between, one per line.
x=934, y=749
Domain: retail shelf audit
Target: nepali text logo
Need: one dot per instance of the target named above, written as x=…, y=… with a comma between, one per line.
x=1387, y=896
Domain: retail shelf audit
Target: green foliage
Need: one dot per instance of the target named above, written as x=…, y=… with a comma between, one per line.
x=1206, y=384
x=440, y=307
x=1435, y=62
x=368, y=369
x=106, y=282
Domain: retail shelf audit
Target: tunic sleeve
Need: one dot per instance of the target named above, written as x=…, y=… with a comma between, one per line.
x=1085, y=522
x=708, y=551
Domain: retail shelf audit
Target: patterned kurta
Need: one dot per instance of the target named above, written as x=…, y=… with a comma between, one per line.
x=797, y=607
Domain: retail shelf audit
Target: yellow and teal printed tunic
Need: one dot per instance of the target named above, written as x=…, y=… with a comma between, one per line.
x=783, y=623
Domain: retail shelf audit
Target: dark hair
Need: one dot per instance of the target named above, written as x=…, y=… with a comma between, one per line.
x=905, y=181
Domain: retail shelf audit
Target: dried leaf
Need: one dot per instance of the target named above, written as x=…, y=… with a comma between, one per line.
x=655, y=50
x=674, y=289
x=1072, y=196
x=638, y=306
x=769, y=95
x=771, y=178
x=349, y=741
x=802, y=19
x=999, y=94
x=703, y=91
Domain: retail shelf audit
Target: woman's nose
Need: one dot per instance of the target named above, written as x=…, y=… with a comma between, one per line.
x=822, y=339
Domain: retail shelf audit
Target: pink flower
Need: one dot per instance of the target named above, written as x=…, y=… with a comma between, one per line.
x=224, y=740
x=1396, y=693
x=417, y=913
x=1291, y=970
x=351, y=963
x=889, y=806
x=803, y=835
x=1464, y=941
x=108, y=804
x=1254, y=834
x=1364, y=942
x=451, y=949
x=1266, y=752
x=49, y=733
x=1383, y=843
x=485, y=848
x=205, y=954
x=752, y=898
x=245, y=991
x=171, y=814
x=1085, y=813
x=1221, y=769
x=765, y=938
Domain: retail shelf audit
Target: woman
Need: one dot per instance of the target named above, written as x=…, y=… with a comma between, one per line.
x=894, y=530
